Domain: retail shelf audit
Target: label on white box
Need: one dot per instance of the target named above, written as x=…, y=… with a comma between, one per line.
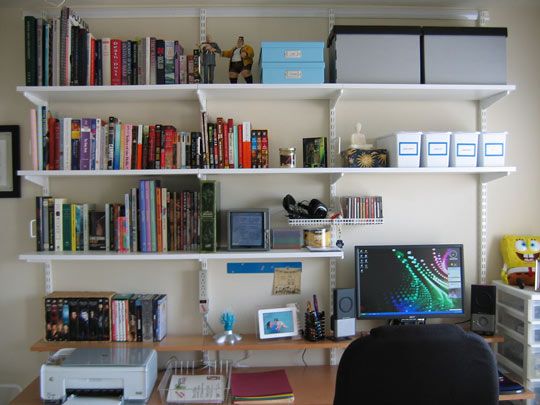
x=494, y=149
x=408, y=148
x=293, y=74
x=437, y=148
x=466, y=149
x=293, y=54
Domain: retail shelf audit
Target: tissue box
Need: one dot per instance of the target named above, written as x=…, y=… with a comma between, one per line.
x=354, y=157
x=435, y=149
x=463, y=149
x=403, y=148
x=491, y=148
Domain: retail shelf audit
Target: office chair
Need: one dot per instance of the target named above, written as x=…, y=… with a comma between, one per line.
x=418, y=364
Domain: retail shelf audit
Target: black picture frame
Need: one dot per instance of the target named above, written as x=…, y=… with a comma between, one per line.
x=10, y=161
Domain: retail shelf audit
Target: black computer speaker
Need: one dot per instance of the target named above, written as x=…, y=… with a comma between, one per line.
x=483, y=298
x=344, y=303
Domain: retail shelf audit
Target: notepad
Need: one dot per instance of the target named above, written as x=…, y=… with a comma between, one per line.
x=261, y=384
x=196, y=389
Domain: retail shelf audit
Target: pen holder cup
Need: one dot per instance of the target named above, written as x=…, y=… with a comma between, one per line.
x=314, y=326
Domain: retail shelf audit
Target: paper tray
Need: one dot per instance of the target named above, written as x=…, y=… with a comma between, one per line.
x=198, y=391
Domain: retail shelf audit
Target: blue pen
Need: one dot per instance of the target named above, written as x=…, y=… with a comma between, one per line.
x=315, y=304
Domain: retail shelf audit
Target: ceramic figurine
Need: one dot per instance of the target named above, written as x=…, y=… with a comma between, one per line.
x=208, y=59
x=241, y=61
x=358, y=139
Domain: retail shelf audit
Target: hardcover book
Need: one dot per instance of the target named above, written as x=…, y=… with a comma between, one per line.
x=314, y=152
x=209, y=213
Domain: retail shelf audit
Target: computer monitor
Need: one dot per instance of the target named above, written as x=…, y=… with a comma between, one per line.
x=409, y=281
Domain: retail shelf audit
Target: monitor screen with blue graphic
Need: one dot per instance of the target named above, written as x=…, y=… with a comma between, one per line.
x=409, y=281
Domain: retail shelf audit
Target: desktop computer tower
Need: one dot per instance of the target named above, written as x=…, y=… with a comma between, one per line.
x=483, y=299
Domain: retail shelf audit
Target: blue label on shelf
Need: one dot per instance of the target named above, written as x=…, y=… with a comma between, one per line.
x=259, y=268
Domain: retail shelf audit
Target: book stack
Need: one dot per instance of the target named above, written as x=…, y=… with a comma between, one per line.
x=105, y=316
x=62, y=51
x=266, y=387
x=108, y=144
x=138, y=317
x=362, y=207
x=78, y=315
x=226, y=145
x=152, y=219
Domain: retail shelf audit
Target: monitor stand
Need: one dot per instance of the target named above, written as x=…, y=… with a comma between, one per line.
x=407, y=321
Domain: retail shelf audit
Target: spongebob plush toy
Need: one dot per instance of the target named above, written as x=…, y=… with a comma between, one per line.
x=520, y=254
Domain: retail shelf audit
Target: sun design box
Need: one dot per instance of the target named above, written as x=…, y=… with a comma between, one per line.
x=354, y=157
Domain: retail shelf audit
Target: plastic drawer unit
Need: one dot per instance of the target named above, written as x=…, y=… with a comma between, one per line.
x=374, y=54
x=464, y=55
x=292, y=62
x=518, y=322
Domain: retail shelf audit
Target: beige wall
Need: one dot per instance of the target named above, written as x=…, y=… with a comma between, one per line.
x=418, y=208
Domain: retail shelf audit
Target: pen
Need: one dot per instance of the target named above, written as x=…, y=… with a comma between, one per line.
x=315, y=303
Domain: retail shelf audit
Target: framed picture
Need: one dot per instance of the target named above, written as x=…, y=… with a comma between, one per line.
x=248, y=229
x=10, y=183
x=277, y=322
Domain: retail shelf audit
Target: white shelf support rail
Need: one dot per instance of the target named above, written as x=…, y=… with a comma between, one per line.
x=202, y=25
x=483, y=18
x=332, y=285
x=482, y=242
x=49, y=286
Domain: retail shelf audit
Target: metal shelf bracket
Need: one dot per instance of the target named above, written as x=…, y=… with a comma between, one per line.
x=38, y=102
x=202, y=100
x=42, y=181
x=489, y=101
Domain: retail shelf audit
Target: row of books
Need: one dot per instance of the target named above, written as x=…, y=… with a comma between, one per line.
x=105, y=316
x=139, y=317
x=152, y=219
x=61, y=51
x=362, y=207
x=96, y=144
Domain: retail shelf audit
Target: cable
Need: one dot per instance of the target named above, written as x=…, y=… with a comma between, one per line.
x=468, y=320
x=303, y=353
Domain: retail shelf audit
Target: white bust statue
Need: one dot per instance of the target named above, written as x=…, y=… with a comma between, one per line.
x=358, y=139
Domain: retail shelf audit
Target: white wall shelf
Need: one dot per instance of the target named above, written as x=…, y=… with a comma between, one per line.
x=46, y=257
x=326, y=91
x=487, y=174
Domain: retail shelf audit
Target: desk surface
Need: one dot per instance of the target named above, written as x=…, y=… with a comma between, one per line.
x=311, y=385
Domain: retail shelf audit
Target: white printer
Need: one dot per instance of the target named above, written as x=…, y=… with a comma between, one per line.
x=122, y=372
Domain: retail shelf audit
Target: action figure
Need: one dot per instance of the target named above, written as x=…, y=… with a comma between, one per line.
x=241, y=61
x=208, y=60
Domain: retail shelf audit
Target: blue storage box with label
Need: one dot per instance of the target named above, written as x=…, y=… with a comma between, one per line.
x=403, y=148
x=292, y=73
x=463, y=149
x=435, y=149
x=292, y=62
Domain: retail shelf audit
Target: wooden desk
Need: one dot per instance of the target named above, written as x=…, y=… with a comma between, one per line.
x=313, y=385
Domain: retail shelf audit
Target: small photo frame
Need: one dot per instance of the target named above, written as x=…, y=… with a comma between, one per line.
x=277, y=323
x=10, y=183
x=248, y=229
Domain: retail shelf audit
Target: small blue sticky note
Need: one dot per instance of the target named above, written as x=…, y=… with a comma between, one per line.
x=259, y=268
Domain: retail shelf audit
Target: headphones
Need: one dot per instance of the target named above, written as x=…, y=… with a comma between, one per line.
x=314, y=210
